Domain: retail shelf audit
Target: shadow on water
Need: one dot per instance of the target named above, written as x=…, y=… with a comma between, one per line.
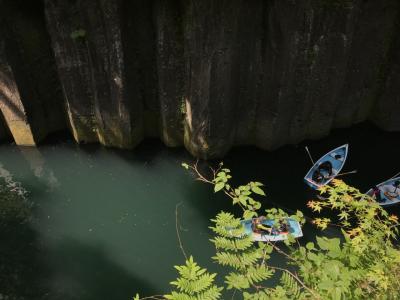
x=100, y=279
x=31, y=271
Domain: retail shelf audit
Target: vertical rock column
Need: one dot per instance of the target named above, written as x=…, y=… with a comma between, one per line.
x=373, y=24
x=386, y=110
x=170, y=70
x=139, y=44
x=11, y=105
x=249, y=58
x=212, y=76
x=326, y=53
x=86, y=38
x=303, y=59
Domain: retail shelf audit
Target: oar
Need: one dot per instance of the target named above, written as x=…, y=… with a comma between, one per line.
x=346, y=173
x=395, y=175
x=309, y=155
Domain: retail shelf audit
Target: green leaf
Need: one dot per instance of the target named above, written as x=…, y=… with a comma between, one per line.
x=248, y=214
x=242, y=199
x=136, y=297
x=343, y=215
x=257, y=205
x=219, y=186
x=310, y=245
x=237, y=281
x=257, y=190
x=185, y=165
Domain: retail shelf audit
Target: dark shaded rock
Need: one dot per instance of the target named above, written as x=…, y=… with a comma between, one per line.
x=386, y=108
x=139, y=42
x=28, y=54
x=210, y=29
x=4, y=132
x=86, y=37
x=170, y=70
x=373, y=25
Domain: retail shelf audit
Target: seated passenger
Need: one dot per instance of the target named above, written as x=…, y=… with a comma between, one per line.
x=317, y=176
x=396, y=185
x=327, y=168
x=376, y=194
x=258, y=227
x=389, y=192
x=283, y=227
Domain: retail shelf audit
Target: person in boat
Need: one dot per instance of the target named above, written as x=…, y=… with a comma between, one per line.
x=317, y=176
x=283, y=227
x=323, y=172
x=391, y=191
x=326, y=169
x=376, y=194
x=397, y=184
x=258, y=227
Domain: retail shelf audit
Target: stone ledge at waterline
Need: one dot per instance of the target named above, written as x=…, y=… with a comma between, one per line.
x=205, y=74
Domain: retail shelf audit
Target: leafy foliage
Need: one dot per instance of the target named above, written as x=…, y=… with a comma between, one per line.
x=194, y=282
x=362, y=263
x=291, y=287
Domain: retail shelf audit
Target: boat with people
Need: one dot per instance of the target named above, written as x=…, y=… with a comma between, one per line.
x=327, y=167
x=262, y=229
x=386, y=193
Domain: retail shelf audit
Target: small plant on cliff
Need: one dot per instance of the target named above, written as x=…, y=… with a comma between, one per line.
x=182, y=107
x=78, y=34
x=363, y=263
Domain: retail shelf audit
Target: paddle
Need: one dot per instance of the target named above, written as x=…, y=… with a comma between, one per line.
x=346, y=173
x=395, y=175
x=309, y=155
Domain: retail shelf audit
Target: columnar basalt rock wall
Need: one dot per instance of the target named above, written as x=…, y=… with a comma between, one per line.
x=206, y=74
x=87, y=43
x=31, y=99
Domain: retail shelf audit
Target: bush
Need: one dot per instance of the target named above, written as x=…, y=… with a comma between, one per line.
x=363, y=263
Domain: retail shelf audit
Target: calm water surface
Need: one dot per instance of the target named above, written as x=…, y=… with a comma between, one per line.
x=104, y=220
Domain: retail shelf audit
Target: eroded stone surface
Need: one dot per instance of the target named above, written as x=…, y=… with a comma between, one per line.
x=214, y=74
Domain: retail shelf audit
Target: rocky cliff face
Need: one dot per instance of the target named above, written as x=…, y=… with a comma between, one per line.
x=205, y=74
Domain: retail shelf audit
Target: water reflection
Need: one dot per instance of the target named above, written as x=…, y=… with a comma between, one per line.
x=37, y=164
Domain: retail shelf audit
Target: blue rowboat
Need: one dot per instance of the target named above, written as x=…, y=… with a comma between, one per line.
x=327, y=167
x=386, y=193
x=293, y=228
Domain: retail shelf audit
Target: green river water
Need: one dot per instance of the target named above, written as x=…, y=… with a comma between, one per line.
x=104, y=224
